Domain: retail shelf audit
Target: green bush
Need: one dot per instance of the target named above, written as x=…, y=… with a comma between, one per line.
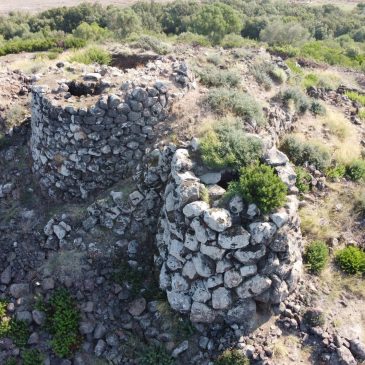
x=216, y=20
x=260, y=185
x=32, y=357
x=92, y=55
x=316, y=256
x=193, y=39
x=314, y=318
x=355, y=96
x=155, y=355
x=336, y=172
x=19, y=332
x=305, y=152
x=295, y=95
x=212, y=76
x=11, y=361
x=149, y=43
x=355, y=170
x=223, y=100
x=303, y=181
x=351, y=260
x=63, y=323
x=233, y=41
x=90, y=32
x=317, y=108
x=361, y=114
x=228, y=146
x=232, y=357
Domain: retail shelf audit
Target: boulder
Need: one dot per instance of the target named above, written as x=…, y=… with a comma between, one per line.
x=211, y=178
x=254, y=286
x=274, y=157
x=179, y=302
x=345, y=356
x=195, y=209
x=221, y=298
x=19, y=290
x=204, y=266
x=201, y=313
x=236, y=204
x=358, y=349
x=234, y=238
x=232, y=278
x=217, y=219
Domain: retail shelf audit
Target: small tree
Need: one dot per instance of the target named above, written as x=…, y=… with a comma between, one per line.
x=216, y=20
x=260, y=185
x=124, y=22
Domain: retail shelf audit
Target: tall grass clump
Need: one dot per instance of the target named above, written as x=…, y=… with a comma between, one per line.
x=223, y=101
x=232, y=357
x=92, y=55
x=226, y=145
x=355, y=96
x=266, y=73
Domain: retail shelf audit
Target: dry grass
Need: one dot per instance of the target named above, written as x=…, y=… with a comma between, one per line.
x=327, y=218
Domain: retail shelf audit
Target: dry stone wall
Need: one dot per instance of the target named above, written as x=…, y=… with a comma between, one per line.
x=221, y=262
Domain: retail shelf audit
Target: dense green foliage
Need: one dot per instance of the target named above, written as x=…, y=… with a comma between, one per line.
x=228, y=146
x=355, y=96
x=324, y=33
x=223, y=100
x=351, y=260
x=303, y=181
x=32, y=357
x=155, y=355
x=301, y=152
x=336, y=172
x=356, y=170
x=63, y=323
x=316, y=256
x=232, y=357
x=260, y=185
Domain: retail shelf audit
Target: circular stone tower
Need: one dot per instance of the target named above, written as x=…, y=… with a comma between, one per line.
x=91, y=131
x=221, y=261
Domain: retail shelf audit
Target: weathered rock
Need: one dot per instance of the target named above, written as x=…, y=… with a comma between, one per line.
x=137, y=307
x=201, y=313
x=179, y=302
x=204, y=266
x=211, y=178
x=358, y=349
x=195, y=209
x=345, y=356
x=5, y=277
x=232, y=278
x=217, y=219
x=19, y=290
x=254, y=286
x=221, y=298
x=233, y=238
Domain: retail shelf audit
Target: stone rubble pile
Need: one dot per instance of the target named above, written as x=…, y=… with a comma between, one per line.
x=219, y=262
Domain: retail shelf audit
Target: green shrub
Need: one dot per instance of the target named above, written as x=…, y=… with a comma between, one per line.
x=361, y=114
x=232, y=357
x=193, y=39
x=303, y=181
x=215, y=59
x=211, y=76
x=32, y=357
x=149, y=43
x=19, y=332
x=260, y=185
x=356, y=170
x=90, y=32
x=223, y=100
x=359, y=202
x=155, y=355
x=355, y=96
x=295, y=95
x=261, y=73
x=63, y=323
x=305, y=152
x=317, y=108
x=233, y=41
x=336, y=172
x=316, y=256
x=92, y=55
x=351, y=260
x=314, y=318
x=11, y=361
x=228, y=146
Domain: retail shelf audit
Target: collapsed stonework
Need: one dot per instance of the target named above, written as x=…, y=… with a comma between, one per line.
x=223, y=260
x=89, y=132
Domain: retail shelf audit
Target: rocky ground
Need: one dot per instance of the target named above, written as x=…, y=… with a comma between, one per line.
x=100, y=252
